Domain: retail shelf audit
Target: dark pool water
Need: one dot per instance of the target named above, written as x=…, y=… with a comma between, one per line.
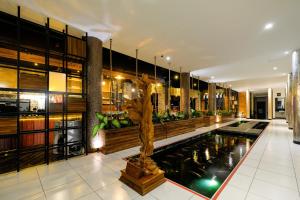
x=202, y=163
x=236, y=124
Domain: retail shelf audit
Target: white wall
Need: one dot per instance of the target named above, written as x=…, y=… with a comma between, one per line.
x=275, y=92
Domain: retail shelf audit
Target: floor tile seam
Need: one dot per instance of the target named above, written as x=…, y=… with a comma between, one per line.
x=281, y=186
x=41, y=183
x=87, y=195
x=98, y=195
x=268, y=171
x=82, y=178
x=22, y=182
x=294, y=169
x=59, y=185
x=152, y=197
x=253, y=177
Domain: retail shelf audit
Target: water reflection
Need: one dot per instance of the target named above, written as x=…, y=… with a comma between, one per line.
x=203, y=163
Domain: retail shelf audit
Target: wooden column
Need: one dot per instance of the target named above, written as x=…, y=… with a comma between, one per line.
x=248, y=104
x=290, y=102
x=270, y=103
x=212, y=106
x=94, y=91
x=185, y=93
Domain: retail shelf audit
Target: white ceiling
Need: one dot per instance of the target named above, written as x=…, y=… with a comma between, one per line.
x=224, y=39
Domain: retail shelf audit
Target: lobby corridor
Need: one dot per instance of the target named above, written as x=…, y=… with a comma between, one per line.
x=271, y=170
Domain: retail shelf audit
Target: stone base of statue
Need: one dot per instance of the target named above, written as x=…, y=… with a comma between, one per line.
x=135, y=177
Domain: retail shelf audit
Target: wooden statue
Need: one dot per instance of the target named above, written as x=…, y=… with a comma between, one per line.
x=142, y=174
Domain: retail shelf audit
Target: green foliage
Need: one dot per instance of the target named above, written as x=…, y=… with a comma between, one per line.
x=224, y=113
x=118, y=121
x=168, y=116
x=209, y=113
x=196, y=113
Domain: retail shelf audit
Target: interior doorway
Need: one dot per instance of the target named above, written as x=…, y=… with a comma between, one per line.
x=260, y=107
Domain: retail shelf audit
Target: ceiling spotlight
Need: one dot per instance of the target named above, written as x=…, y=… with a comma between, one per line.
x=275, y=68
x=269, y=26
x=168, y=58
x=286, y=52
x=212, y=77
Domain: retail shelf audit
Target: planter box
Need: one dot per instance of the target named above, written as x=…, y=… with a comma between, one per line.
x=209, y=120
x=199, y=122
x=228, y=118
x=120, y=139
x=124, y=138
x=179, y=127
x=160, y=132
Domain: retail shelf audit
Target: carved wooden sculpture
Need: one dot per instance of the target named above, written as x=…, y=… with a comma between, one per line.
x=140, y=111
x=142, y=174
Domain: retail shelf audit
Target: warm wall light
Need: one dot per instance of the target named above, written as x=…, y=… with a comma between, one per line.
x=168, y=58
x=195, y=84
x=218, y=118
x=269, y=26
x=275, y=68
x=103, y=82
x=36, y=64
x=119, y=77
x=132, y=90
x=158, y=84
x=176, y=77
x=98, y=140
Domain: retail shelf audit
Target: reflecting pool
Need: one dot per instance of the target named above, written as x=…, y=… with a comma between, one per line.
x=202, y=163
x=236, y=124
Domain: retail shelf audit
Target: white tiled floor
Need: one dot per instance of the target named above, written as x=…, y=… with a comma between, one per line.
x=270, y=171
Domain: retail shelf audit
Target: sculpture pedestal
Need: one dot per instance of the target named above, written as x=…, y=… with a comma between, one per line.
x=133, y=177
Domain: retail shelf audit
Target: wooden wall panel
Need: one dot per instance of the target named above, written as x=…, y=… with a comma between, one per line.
x=8, y=125
x=76, y=105
x=242, y=104
x=76, y=47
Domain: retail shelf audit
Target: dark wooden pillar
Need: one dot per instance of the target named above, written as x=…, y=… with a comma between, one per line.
x=94, y=95
x=185, y=93
x=212, y=97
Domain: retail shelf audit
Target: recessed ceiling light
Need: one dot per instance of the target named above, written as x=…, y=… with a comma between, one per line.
x=275, y=68
x=286, y=52
x=168, y=58
x=269, y=26
x=212, y=77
